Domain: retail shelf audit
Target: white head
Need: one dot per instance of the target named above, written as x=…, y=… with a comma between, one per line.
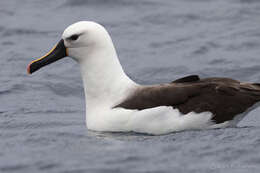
x=79, y=41
x=91, y=46
x=88, y=37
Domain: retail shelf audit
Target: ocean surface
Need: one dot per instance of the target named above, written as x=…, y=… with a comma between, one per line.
x=42, y=116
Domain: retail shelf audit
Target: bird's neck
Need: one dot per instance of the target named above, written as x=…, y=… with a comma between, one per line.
x=105, y=82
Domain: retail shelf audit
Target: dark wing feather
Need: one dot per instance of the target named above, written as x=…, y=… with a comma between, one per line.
x=224, y=97
x=191, y=78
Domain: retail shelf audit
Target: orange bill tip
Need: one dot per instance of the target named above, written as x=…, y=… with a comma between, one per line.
x=29, y=69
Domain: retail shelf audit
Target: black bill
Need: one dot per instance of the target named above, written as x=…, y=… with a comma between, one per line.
x=56, y=53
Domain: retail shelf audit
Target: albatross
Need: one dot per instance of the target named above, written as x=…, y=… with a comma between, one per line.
x=115, y=103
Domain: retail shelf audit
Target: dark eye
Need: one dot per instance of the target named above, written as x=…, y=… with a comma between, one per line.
x=74, y=37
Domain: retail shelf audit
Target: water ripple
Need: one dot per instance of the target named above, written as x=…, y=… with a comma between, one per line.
x=107, y=3
x=21, y=31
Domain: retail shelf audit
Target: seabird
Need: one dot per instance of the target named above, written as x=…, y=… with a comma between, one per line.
x=115, y=103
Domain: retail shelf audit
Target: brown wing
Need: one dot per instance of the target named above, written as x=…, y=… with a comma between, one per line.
x=224, y=97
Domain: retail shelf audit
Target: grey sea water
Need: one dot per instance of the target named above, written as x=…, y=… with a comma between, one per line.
x=42, y=117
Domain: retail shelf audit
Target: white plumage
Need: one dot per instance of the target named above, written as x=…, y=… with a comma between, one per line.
x=106, y=84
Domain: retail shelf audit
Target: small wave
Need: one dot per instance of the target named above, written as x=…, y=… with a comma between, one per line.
x=46, y=166
x=8, y=125
x=106, y=2
x=176, y=19
x=169, y=43
x=11, y=88
x=242, y=73
x=7, y=32
x=64, y=90
x=10, y=168
x=243, y=46
x=6, y=12
x=219, y=61
x=249, y=1
x=8, y=43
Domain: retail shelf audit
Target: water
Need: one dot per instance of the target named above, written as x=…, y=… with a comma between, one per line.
x=42, y=117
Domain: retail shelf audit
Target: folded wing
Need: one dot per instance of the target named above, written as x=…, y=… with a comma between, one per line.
x=223, y=97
